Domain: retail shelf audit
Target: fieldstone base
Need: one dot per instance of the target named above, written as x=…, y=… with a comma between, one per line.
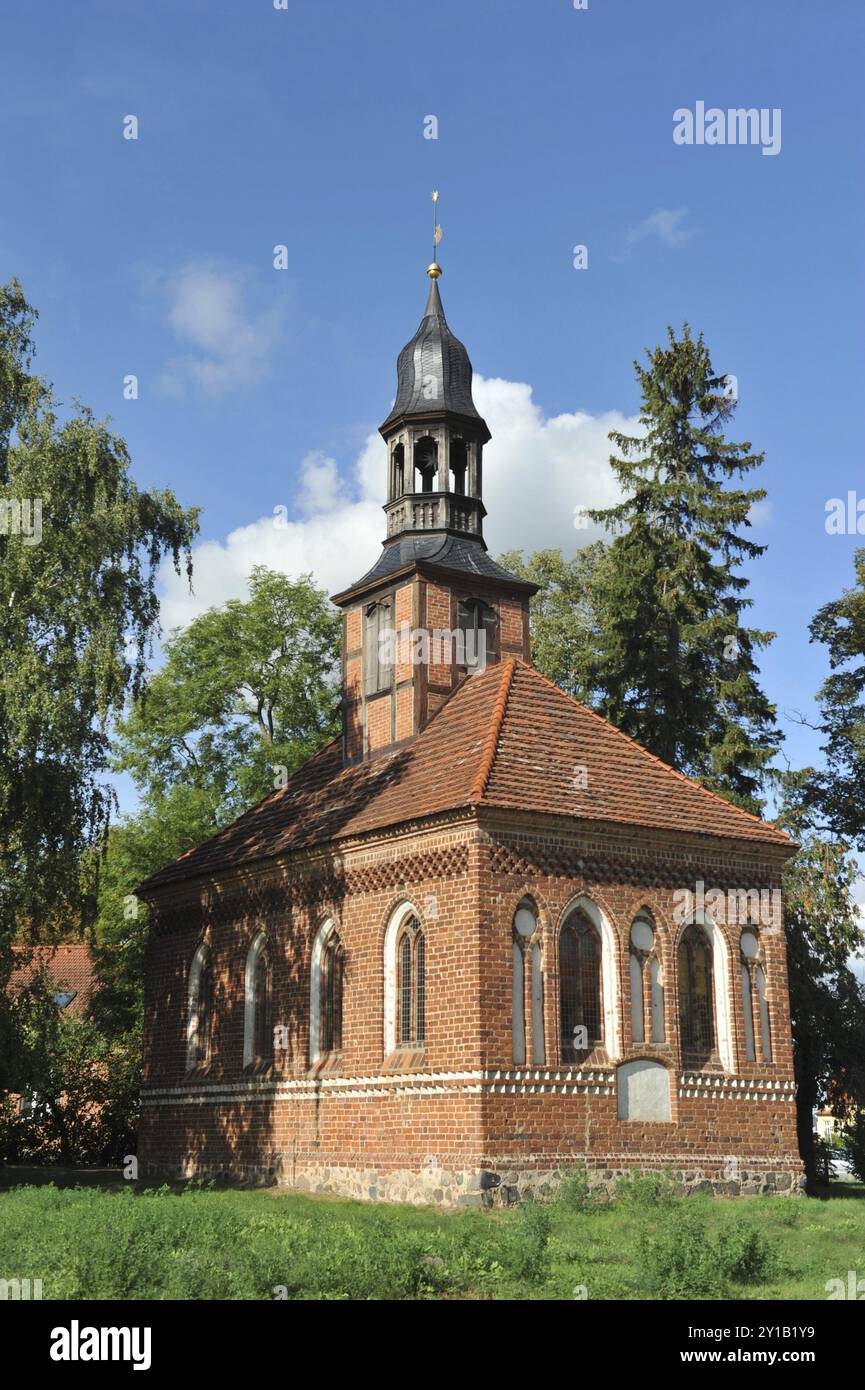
x=479, y=1187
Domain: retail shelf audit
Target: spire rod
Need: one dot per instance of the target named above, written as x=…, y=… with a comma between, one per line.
x=434, y=270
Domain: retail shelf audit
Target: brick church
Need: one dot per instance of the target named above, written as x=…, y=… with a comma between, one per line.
x=450, y=958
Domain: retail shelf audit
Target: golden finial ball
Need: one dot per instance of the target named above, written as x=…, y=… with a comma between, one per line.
x=434, y=270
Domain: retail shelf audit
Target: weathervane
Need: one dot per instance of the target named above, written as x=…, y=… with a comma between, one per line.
x=434, y=270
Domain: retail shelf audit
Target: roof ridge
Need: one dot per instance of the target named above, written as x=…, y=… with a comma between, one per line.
x=479, y=785
x=697, y=786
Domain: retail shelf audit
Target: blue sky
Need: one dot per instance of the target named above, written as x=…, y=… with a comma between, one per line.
x=305, y=127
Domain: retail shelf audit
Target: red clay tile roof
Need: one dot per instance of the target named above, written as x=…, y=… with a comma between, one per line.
x=69, y=966
x=507, y=737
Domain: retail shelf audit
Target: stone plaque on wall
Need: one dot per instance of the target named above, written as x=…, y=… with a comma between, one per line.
x=643, y=1091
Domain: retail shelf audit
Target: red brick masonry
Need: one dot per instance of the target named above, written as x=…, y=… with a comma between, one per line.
x=456, y=1121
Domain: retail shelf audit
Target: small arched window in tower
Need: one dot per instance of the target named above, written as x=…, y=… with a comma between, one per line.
x=200, y=1016
x=459, y=465
x=478, y=633
x=378, y=646
x=332, y=982
x=398, y=466
x=696, y=1011
x=425, y=464
x=580, y=1009
x=411, y=984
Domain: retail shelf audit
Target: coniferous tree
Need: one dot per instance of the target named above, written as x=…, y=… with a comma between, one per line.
x=836, y=795
x=563, y=613
x=675, y=665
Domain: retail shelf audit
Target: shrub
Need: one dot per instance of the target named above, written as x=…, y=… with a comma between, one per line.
x=684, y=1261
x=525, y=1245
x=680, y=1260
x=83, y=1086
x=574, y=1192
x=9, y=1132
x=745, y=1254
x=646, y=1190
x=854, y=1144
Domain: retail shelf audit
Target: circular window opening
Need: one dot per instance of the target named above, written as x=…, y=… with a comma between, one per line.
x=642, y=935
x=525, y=921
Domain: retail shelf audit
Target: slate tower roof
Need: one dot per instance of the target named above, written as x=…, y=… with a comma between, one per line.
x=434, y=353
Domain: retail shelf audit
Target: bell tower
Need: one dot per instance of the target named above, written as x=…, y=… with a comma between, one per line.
x=434, y=434
x=435, y=608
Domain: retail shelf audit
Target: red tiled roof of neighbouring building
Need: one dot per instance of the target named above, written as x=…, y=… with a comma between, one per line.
x=507, y=737
x=68, y=964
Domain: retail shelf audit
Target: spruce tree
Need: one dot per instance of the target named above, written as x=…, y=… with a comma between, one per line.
x=675, y=664
x=836, y=795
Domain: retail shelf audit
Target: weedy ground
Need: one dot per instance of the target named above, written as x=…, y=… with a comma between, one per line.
x=199, y=1242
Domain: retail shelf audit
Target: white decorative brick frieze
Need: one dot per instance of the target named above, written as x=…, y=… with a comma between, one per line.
x=709, y=1086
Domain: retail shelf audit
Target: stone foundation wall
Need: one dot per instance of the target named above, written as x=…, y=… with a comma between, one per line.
x=483, y=1187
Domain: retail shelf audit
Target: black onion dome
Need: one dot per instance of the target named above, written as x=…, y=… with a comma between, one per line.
x=433, y=358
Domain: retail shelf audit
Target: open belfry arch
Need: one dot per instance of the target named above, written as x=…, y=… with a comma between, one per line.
x=438, y=965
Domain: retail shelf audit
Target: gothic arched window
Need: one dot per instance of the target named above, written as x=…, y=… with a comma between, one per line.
x=257, y=1015
x=580, y=999
x=754, y=989
x=696, y=1009
x=411, y=984
x=647, y=990
x=200, y=1015
x=332, y=982
x=527, y=963
x=477, y=634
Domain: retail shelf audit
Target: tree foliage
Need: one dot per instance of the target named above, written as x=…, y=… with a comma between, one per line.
x=675, y=666
x=827, y=1003
x=78, y=610
x=245, y=689
x=836, y=795
x=565, y=625
x=246, y=694
x=79, y=1084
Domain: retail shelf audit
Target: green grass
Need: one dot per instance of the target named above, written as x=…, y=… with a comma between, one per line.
x=87, y=1242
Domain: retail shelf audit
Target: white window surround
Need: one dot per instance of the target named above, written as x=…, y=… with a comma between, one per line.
x=609, y=970
x=259, y=943
x=720, y=983
x=202, y=954
x=322, y=936
x=395, y=921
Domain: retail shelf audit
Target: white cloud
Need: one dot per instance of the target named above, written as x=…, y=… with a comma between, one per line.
x=665, y=224
x=231, y=343
x=537, y=470
x=760, y=512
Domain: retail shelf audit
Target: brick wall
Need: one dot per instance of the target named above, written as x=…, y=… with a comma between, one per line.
x=456, y=1120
